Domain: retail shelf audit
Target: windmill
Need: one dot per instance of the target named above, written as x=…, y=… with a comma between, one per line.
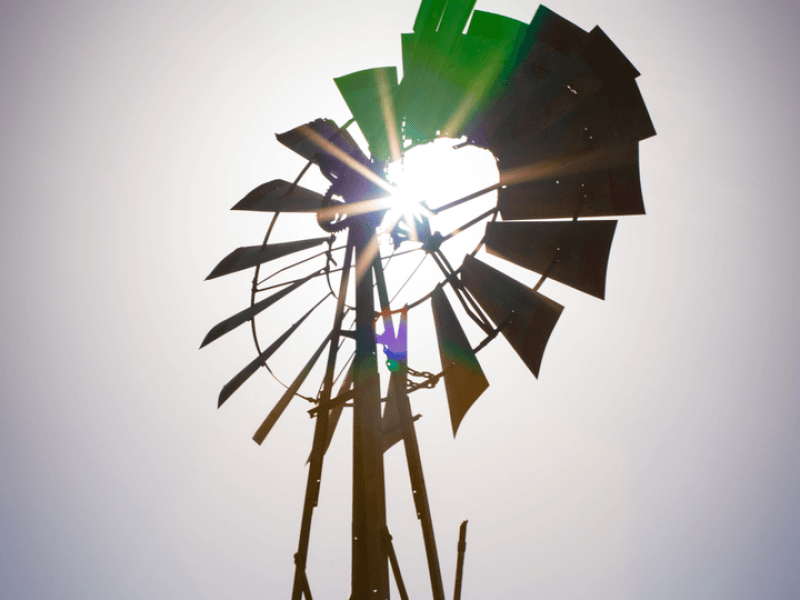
x=560, y=110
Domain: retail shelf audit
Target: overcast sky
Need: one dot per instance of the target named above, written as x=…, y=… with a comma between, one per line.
x=656, y=457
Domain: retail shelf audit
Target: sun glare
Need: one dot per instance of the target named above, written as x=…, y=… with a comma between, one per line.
x=434, y=174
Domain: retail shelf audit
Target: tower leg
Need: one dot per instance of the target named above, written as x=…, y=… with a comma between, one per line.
x=318, y=446
x=370, y=569
x=420, y=492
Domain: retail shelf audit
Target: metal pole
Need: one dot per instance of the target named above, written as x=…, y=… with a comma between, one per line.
x=300, y=586
x=462, y=550
x=398, y=578
x=420, y=493
x=370, y=569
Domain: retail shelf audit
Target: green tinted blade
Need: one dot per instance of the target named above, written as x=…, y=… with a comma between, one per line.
x=369, y=95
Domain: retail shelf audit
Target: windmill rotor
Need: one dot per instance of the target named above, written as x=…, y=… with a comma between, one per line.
x=559, y=109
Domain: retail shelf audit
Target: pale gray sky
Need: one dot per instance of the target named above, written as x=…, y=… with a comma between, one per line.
x=657, y=457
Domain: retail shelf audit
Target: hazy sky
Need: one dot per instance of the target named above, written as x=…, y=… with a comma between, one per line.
x=657, y=457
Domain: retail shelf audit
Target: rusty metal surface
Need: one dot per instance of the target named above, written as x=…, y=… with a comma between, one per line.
x=574, y=253
x=273, y=196
x=463, y=377
x=250, y=256
x=533, y=316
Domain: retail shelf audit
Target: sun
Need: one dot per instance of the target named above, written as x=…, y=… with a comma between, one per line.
x=431, y=175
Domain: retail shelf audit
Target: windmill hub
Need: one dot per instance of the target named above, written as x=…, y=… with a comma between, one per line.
x=431, y=175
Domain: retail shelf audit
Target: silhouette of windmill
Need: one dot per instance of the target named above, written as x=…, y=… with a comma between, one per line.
x=560, y=110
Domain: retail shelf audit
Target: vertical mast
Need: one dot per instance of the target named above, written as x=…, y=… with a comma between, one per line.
x=370, y=571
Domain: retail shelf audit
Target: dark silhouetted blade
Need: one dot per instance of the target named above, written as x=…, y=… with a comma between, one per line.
x=605, y=59
x=613, y=118
x=250, y=256
x=556, y=83
x=566, y=93
x=369, y=95
x=523, y=85
x=278, y=409
x=580, y=247
x=273, y=197
x=596, y=184
x=233, y=322
x=304, y=140
x=533, y=315
x=464, y=380
x=245, y=373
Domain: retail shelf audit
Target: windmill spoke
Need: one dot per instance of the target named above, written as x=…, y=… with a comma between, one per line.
x=467, y=198
x=469, y=224
x=300, y=262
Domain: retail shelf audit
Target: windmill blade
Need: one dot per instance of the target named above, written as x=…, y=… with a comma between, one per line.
x=369, y=95
x=612, y=118
x=274, y=196
x=250, y=256
x=478, y=70
x=243, y=375
x=278, y=409
x=309, y=141
x=464, y=380
x=559, y=68
x=339, y=158
x=426, y=55
x=573, y=252
x=247, y=314
x=556, y=80
x=605, y=58
x=596, y=184
x=533, y=316
x=539, y=49
x=594, y=147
